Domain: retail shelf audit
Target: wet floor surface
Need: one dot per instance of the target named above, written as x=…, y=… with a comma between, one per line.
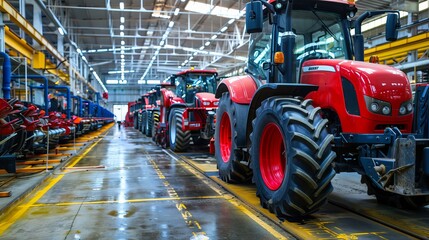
x=125, y=187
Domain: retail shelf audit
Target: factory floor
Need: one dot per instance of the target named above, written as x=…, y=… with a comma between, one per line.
x=122, y=186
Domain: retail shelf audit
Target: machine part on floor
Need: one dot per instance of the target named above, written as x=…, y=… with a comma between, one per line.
x=326, y=110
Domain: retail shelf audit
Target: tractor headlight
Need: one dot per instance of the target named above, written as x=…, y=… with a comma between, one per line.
x=206, y=103
x=386, y=110
x=406, y=108
x=375, y=107
x=378, y=106
x=216, y=103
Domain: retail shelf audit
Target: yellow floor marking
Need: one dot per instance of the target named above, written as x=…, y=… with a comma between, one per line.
x=19, y=213
x=232, y=200
x=126, y=201
x=15, y=215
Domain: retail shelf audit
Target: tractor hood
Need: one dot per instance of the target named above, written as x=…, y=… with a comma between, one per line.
x=378, y=81
x=206, y=97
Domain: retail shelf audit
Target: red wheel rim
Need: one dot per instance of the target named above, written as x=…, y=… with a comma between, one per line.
x=225, y=137
x=272, y=159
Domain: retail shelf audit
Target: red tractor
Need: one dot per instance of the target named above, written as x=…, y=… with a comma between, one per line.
x=306, y=110
x=187, y=111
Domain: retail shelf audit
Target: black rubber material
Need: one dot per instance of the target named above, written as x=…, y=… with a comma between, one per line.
x=182, y=138
x=150, y=123
x=232, y=170
x=308, y=170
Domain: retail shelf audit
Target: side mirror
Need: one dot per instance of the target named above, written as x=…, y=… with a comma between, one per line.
x=254, y=17
x=392, y=27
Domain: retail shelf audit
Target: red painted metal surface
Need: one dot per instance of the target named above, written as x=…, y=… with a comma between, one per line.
x=225, y=141
x=374, y=80
x=241, y=88
x=272, y=161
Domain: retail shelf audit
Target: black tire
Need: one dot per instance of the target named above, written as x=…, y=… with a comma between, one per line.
x=179, y=140
x=144, y=123
x=136, y=121
x=153, y=123
x=150, y=123
x=291, y=157
x=226, y=141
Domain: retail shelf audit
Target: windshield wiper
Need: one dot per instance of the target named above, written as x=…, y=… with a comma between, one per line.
x=326, y=28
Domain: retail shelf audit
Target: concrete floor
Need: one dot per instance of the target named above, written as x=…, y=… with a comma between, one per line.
x=124, y=187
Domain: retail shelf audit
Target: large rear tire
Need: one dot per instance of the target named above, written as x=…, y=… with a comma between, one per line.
x=226, y=137
x=179, y=140
x=291, y=157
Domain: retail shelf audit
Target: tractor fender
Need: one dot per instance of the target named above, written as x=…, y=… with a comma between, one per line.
x=240, y=88
x=275, y=89
x=174, y=106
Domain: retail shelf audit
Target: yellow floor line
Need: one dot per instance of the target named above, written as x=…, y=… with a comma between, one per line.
x=244, y=209
x=126, y=201
x=14, y=216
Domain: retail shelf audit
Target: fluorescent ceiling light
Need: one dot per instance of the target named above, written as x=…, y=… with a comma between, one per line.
x=79, y=51
x=60, y=30
x=162, y=42
x=171, y=24
x=123, y=82
x=149, y=33
x=153, y=82
x=122, y=56
x=207, y=43
x=159, y=15
x=121, y=5
x=122, y=42
x=176, y=12
x=224, y=29
x=140, y=82
x=214, y=37
x=117, y=72
x=191, y=58
x=121, y=27
x=109, y=81
x=202, y=47
x=231, y=21
x=122, y=19
x=205, y=8
x=121, y=33
x=122, y=51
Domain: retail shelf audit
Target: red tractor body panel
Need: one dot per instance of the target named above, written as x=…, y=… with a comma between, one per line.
x=241, y=88
x=368, y=80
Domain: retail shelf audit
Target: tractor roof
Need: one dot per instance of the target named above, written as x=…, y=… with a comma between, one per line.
x=196, y=71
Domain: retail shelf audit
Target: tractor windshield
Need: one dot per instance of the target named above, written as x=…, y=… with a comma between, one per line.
x=190, y=84
x=318, y=35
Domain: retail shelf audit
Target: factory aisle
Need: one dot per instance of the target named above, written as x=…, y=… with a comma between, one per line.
x=124, y=187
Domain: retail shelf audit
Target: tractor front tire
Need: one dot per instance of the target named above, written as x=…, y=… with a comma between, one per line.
x=226, y=137
x=291, y=157
x=144, y=123
x=179, y=140
x=153, y=120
